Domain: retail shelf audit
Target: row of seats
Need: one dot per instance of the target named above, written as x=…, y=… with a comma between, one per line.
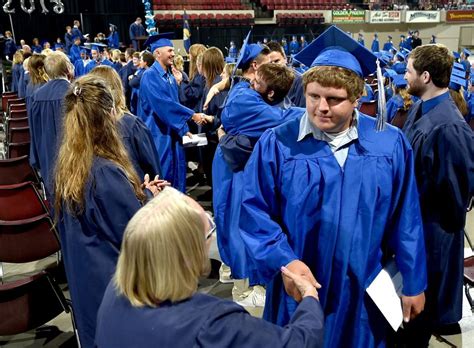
x=304, y=4
x=205, y=19
x=198, y=5
x=27, y=234
x=289, y=19
x=15, y=126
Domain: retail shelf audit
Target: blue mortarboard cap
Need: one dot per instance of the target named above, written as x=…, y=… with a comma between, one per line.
x=229, y=60
x=457, y=82
x=458, y=72
x=401, y=55
x=97, y=46
x=399, y=81
x=466, y=52
x=159, y=40
x=75, y=37
x=383, y=57
x=248, y=52
x=456, y=55
x=57, y=46
x=114, y=27
x=390, y=37
x=406, y=51
x=402, y=35
x=390, y=73
x=335, y=48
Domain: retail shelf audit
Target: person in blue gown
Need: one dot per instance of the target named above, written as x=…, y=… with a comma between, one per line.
x=465, y=59
x=9, y=46
x=24, y=79
x=159, y=108
x=333, y=199
x=136, y=30
x=159, y=306
x=294, y=45
x=375, y=43
x=399, y=66
x=96, y=59
x=360, y=39
x=135, y=135
x=80, y=65
x=400, y=100
x=146, y=61
x=68, y=39
x=285, y=46
x=113, y=38
x=38, y=78
x=17, y=68
x=389, y=44
x=35, y=46
x=75, y=50
x=233, y=51
x=76, y=31
x=191, y=91
x=97, y=192
x=46, y=120
x=443, y=148
x=127, y=70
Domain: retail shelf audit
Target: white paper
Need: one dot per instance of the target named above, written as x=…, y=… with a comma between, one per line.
x=197, y=140
x=385, y=290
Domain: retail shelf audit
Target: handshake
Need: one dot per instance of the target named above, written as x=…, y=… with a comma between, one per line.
x=201, y=118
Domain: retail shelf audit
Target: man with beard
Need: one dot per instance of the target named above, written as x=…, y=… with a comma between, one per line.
x=444, y=151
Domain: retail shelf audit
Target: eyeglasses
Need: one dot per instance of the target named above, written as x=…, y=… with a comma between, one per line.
x=212, y=226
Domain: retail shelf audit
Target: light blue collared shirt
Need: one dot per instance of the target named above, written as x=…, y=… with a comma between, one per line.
x=341, y=150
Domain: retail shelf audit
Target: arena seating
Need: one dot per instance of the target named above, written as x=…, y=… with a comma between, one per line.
x=293, y=19
x=199, y=5
x=304, y=4
x=204, y=19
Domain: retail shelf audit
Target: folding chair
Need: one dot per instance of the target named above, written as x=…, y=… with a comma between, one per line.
x=21, y=201
x=400, y=118
x=15, y=150
x=16, y=171
x=18, y=135
x=369, y=108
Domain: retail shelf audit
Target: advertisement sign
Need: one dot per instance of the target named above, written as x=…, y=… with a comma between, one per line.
x=423, y=17
x=348, y=16
x=460, y=16
x=384, y=17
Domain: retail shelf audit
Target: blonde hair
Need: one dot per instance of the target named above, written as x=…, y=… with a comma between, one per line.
x=115, y=84
x=178, y=62
x=116, y=55
x=57, y=65
x=89, y=130
x=47, y=51
x=458, y=98
x=194, y=51
x=163, y=252
x=406, y=97
x=18, y=57
x=36, y=69
x=212, y=64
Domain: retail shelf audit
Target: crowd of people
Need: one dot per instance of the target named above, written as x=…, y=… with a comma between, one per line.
x=311, y=197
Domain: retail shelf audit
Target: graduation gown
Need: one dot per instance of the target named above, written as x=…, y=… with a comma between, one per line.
x=298, y=203
x=375, y=46
x=23, y=82
x=134, y=85
x=75, y=54
x=140, y=146
x=202, y=321
x=46, y=128
x=444, y=151
x=113, y=40
x=90, y=241
x=294, y=47
x=387, y=46
x=79, y=67
x=393, y=105
x=245, y=113
x=296, y=92
x=191, y=92
x=159, y=108
x=16, y=75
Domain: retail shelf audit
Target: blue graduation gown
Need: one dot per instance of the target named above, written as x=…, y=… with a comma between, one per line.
x=16, y=75
x=79, y=67
x=134, y=84
x=375, y=46
x=23, y=82
x=466, y=64
x=9, y=48
x=393, y=105
x=296, y=92
x=140, y=146
x=127, y=70
x=400, y=67
x=294, y=47
x=113, y=40
x=191, y=92
x=159, y=108
x=30, y=90
x=36, y=49
x=233, y=52
x=91, y=241
x=202, y=321
x=245, y=113
x=387, y=46
x=361, y=42
x=78, y=32
x=298, y=203
x=68, y=41
x=93, y=63
x=75, y=54
x=46, y=128
x=444, y=151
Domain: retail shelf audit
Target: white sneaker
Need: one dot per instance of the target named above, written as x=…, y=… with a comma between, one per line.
x=225, y=275
x=256, y=298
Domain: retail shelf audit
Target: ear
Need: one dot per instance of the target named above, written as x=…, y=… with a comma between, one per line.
x=355, y=104
x=426, y=77
x=270, y=94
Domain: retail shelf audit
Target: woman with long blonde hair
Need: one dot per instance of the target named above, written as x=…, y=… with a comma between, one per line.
x=16, y=70
x=191, y=90
x=97, y=191
x=38, y=78
x=135, y=134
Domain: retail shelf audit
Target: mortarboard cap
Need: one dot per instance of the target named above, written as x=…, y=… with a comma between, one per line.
x=335, y=48
x=75, y=37
x=466, y=52
x=159, y=40
x=390, y=73
x=457, y=82
x=456, y=55
x=113, y=26
x=97, y=46
x=459, y=66
x=458, y=72
x=401, y=54
x=248, y=52
x=390, y=37
x=406, y=51
x=399, y=81
x=382, y=56
x=402, y=35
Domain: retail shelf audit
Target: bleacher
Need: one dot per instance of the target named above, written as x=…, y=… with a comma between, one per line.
x=199, y=5
x=304, y=4
x=169, y=20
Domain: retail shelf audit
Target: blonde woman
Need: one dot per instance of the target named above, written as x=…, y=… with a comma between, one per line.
x=38, y=78
x=97, y=191
x=16, y=70
x=191, y=91
x=135, y=134
x=153, y=300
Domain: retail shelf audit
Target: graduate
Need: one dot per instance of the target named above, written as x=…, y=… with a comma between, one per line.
x=360, y=39
x=17, y=70
x=389, y=44
x=35, y=46
x=191, y=91
x=97, y=58
x=294, y=45
x=46, y=122
x=332, y=198
x=233, y=51
x=135, y=31
x=113, y=38
x=24, y=78
x=76, y=31
x=375, y=44
x=465, y=59
x=9, y=46
x=75, y=50
x=443, y=149
x=80, y=65
x=399, y=65
x=153, y=301
x=159, y=108
x=68, y=39
x=285, y=46
x=97, y=191
x=135, y=135
x=303, y=41
x=400, y=99
x=146, y=61
x=38, y=78
x=127, y=70
x=457, y=86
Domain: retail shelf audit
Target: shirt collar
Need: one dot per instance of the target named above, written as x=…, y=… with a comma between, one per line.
x=429, y=104
x=160, y=69
x=307, y=127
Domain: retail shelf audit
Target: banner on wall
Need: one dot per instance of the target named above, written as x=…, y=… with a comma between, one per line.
x=460, y=16
x=422, y=17
x=348, y=16
x=384, y=17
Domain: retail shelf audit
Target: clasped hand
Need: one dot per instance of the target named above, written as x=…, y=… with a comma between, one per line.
x=299, y=281
x=155, y=186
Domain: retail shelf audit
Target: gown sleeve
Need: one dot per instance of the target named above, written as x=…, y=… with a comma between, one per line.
x=115, y=202
x=406, y=239
x=266, y=243
x=231, y=326
x=146, y=152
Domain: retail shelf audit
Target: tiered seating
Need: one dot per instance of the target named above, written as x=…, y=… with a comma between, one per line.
x=289, y=19
x=170, y=20
x=15, y=124
x=304, y=4
x=198, y=5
